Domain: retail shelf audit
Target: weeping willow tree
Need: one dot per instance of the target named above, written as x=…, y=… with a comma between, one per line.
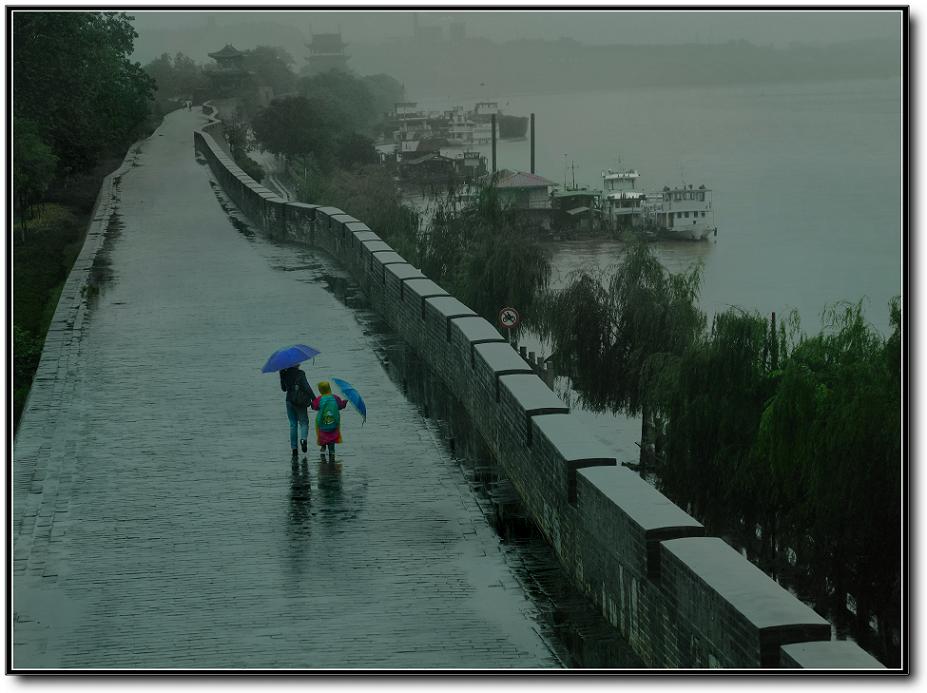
x=618, y=335
x=485, y=255
x=831, y=439
x=713, y=398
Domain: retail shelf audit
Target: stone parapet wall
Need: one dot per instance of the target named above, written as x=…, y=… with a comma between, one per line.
x=682, y=600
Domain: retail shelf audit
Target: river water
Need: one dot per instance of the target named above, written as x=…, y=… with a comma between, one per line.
x=806, y=180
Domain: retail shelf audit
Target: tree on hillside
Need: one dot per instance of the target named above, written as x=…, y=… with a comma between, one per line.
x=272, y=66
x=72, y=77
x=34, y=165
x=349, y=95
x=161, y=70
x=299, y=126
x=175, y=76
x=354, y=149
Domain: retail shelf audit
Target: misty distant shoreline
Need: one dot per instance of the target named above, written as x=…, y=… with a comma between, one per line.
x=472, y=67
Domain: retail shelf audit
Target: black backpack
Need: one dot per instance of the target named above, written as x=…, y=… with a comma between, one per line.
x=300, y=397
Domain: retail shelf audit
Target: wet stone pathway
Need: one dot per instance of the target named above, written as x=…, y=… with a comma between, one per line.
x=169, y=528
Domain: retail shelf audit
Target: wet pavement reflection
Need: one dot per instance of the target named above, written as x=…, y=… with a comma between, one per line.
x=182, y=534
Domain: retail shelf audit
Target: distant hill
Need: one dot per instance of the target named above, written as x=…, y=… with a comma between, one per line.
x=471, y=67
x=198, y=42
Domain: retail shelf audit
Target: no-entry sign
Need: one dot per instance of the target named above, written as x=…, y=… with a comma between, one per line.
x=509, y=318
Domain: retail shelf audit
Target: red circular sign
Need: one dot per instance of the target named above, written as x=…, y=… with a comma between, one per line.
x=509, y=318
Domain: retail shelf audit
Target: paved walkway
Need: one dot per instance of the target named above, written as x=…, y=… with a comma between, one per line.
x=165, y=525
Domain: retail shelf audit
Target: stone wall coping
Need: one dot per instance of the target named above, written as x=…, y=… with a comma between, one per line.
x=405, y=271
x=329, y=211
x=364, y=236
x=344, y=218
x=378, y=246
x=389, y=257
x=571, y=438
x=302, y=205
x=425, y=288
x=449, y=306
x=759, y=598
x=532, y=394
x=358, y=227
x=500, y=356
x=828, y=654
x=641, y=502
x=476, y=327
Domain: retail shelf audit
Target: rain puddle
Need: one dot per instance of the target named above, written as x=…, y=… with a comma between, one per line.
x=101, y=270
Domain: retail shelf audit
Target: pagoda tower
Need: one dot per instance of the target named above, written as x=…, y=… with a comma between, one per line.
x=228, y=75
x=326, y=52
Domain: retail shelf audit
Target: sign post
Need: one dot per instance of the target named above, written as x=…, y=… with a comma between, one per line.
x=509, y=319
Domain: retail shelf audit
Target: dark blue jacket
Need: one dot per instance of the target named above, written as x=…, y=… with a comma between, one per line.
x=289, y=377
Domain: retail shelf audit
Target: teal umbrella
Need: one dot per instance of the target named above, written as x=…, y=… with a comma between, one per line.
x=353, y=396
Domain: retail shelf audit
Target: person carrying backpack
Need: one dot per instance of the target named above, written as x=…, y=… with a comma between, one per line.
x=299, y=396
x=328, y=419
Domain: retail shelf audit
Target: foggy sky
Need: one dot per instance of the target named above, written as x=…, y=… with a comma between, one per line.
x=777, y=28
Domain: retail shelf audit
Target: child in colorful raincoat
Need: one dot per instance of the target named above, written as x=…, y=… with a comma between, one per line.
x=328, y=419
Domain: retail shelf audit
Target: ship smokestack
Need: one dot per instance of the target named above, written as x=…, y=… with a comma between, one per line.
x=532, y=143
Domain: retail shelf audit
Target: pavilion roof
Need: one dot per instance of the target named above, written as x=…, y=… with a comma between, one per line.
x=229, y=51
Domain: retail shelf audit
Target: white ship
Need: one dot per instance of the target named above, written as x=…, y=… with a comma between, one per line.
x=680, y=212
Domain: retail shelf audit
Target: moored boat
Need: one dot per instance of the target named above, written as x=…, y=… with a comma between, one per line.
x=682, y=212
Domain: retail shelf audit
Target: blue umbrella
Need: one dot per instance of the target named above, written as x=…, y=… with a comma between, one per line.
x=353, y=396
x=288, y=356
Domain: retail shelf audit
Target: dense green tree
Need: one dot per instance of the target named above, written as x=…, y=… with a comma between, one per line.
x=712, y=399
x=177, y=76
x=354, y=149
x=299, y=126
x=72, y=76
x=161, y=70
x=34, y=166
x=348, y=95
x=831, y=436
x=271, y=66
